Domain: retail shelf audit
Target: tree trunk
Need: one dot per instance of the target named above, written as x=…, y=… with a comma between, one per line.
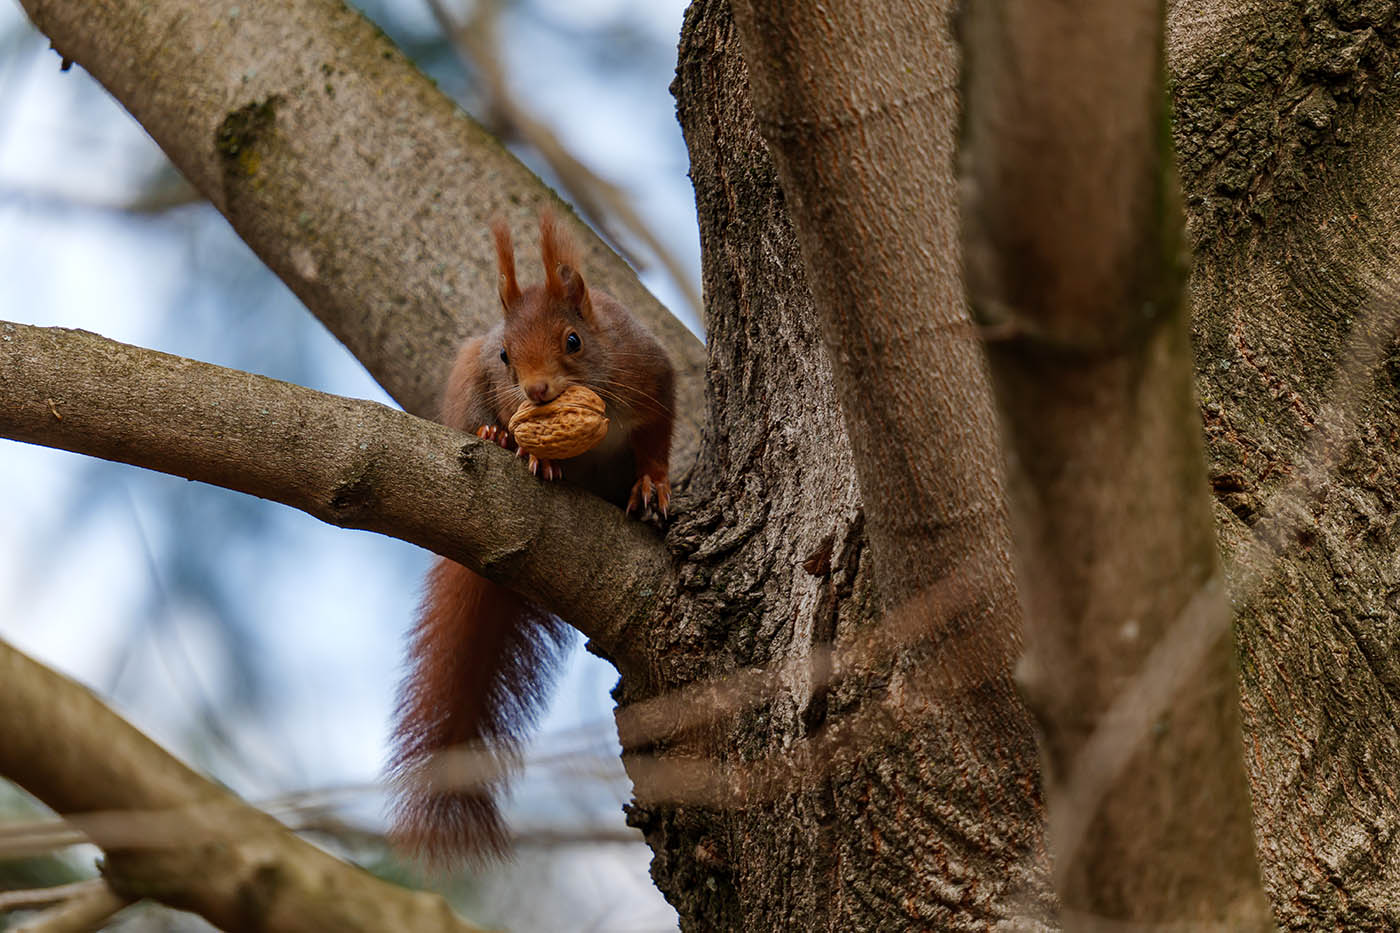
x=890, y=783
x=1270, y=332
x=1290, y=159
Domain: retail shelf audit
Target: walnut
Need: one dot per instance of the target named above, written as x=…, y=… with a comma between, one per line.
x=568, y=425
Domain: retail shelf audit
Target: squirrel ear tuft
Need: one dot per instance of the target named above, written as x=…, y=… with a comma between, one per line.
x=557, y=251
x=505, y=263
x=574, y=291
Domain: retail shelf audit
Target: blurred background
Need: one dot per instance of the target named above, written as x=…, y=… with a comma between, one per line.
x=258, y=644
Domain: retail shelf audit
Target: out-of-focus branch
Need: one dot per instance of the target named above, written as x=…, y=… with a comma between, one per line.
x=476, y=41
x=34, y=898
x=214, y=855
x=359, y=183
x=78, y=908
x=1073, y=242
x=27, y=838
x=166, y=193
x=351, y=463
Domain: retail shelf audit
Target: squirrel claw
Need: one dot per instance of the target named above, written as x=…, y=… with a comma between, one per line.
x=648, y=492
x=546, y=470
x=496, y=435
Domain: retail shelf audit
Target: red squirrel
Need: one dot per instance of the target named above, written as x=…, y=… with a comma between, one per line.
x=482, y=658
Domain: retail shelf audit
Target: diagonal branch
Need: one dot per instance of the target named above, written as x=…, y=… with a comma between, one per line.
x=348, y=462
x=863, y=143
x=359, y=183
x=77, y=908
x=211, y=853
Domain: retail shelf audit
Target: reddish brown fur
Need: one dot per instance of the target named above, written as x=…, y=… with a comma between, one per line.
x=482, y=658
x=556, y=249
x=505, y=263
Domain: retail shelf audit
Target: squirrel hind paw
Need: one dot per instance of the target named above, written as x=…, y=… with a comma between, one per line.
x=647, y=492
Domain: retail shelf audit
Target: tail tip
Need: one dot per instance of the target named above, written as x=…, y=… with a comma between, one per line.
x=447, y=831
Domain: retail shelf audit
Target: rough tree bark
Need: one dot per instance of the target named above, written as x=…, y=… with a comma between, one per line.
x=776, y=530
x=1290, y=160
x=888, y=783
x=862, y=147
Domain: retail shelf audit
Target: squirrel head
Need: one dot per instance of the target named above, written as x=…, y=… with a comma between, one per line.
x=550, y=337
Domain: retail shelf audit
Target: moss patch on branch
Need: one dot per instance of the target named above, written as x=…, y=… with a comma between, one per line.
x=238, y=136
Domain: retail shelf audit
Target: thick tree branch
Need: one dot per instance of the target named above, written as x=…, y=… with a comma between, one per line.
x=1073, y=239
x=348, y=462
x=204, y=849
x=361, y=185
x=859, y=108
x=1076, y=92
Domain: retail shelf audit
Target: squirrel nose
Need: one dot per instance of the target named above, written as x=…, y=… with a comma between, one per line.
x=539, y=392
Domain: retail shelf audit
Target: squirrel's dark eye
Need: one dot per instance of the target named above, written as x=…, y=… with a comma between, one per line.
x=573, y=343
x=504, y=359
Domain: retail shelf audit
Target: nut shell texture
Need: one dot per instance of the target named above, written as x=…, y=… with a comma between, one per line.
x=566, y=426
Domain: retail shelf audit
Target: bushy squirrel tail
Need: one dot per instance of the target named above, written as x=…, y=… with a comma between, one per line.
x=481, y=665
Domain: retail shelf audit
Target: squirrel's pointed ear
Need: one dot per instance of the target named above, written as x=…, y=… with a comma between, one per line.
x=575, y=291
x=562, y=281
x=505, y=264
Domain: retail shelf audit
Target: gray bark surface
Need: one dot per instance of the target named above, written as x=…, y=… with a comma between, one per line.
x=1290, y=155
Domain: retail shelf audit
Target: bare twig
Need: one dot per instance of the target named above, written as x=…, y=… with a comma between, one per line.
x=475, y=42
x=161, y=196
x=34, y=898
x=27, y=838
x=1123, y=726
x=83, y=907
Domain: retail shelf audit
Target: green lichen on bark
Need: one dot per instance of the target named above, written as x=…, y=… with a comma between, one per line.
x=1260, y=118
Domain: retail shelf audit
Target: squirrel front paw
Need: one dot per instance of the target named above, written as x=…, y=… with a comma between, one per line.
x=496, y=435
x=546, y=470
x=648, y=491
